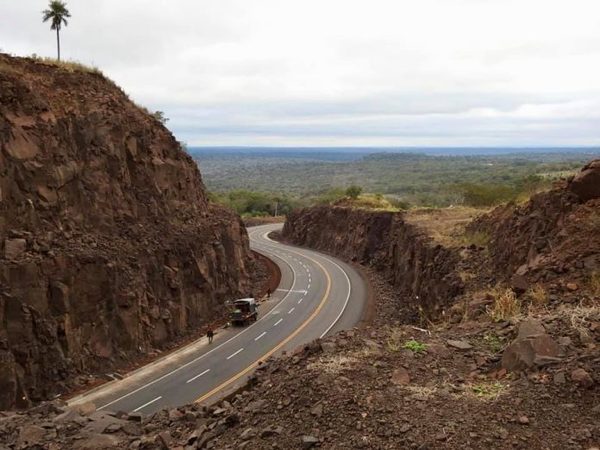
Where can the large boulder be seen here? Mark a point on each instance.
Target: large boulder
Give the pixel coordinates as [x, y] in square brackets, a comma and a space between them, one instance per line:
[586, 183]
[533, 347]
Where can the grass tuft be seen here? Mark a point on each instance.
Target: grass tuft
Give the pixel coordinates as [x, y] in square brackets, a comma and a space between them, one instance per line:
[493, 342]
[506, 305]
[478, 238]
[538, 296]
[488, 390]
[415, 346]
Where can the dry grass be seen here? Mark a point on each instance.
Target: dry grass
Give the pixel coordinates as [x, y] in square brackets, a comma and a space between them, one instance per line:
[478, 238]
[334, 364]
[506, 305]
[69, 66]
[446, 226]
[538, 296]
[376, 202]
[395, 341]
[581, 318]
[488, 390]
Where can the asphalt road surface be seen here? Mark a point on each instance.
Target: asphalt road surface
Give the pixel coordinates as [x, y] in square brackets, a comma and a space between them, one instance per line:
[318, 295]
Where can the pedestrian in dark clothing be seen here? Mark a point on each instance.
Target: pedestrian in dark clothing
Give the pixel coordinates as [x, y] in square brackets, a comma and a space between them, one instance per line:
[210, 334]
[268, 293]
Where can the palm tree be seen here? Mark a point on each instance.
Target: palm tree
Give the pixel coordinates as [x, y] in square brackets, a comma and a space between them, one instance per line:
[57, 12]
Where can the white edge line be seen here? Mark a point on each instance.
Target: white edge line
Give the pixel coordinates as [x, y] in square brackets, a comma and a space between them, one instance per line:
[147, 404]
[345, 302]
[207, 353]
[235, 353]
[198, 376]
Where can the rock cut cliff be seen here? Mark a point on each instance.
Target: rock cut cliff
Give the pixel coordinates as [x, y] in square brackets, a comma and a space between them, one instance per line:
[108, 244]
[422, 271]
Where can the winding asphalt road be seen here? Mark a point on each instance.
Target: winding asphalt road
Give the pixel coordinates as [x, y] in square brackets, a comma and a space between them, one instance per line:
[318, 295]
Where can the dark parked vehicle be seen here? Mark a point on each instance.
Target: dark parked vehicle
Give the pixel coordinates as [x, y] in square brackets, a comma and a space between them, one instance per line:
[244, 312]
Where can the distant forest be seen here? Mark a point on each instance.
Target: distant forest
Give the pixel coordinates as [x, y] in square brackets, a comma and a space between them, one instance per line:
[269, 181]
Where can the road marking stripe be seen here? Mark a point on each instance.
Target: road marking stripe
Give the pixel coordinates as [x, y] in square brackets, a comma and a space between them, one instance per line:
[278, 322]
[266, 237]
[233, 354]
[198, 376]
[300, 301]
[291, 310]
[135, 391]
[260, 335]
[278, 346]
[146, 404]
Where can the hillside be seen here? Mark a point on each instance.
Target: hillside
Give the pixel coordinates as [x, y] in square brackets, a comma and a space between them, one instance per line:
[109, 247]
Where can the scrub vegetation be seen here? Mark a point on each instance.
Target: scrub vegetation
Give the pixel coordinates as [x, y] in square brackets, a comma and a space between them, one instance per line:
[253, 182]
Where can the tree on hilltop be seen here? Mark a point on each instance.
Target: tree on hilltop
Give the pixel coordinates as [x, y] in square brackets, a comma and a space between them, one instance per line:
[57, 13]
[353, 191]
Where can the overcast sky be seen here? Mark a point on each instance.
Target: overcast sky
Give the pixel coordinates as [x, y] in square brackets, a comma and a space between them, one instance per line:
[341, 72]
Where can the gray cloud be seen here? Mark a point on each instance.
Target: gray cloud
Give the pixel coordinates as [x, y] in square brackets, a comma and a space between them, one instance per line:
[347, 72]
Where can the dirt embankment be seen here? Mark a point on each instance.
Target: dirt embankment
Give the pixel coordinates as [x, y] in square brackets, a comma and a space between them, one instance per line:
[108, 245]
[422, 271]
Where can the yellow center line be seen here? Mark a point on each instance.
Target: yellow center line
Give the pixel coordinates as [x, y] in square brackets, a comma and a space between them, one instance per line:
[278, 346]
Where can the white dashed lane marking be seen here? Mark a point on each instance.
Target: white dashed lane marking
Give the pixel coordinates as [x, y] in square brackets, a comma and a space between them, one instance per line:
[260, 335]
[198, 376]
[147, 404]
[233, 354]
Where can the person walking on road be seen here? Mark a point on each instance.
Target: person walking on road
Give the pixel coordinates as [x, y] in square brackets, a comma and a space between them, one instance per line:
[210, 334]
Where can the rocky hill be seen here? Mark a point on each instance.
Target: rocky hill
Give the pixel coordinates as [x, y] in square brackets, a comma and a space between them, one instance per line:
[109, 247]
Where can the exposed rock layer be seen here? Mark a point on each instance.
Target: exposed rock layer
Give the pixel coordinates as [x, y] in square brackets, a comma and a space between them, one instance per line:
[422, 271]
[108, 244]
[554, 233]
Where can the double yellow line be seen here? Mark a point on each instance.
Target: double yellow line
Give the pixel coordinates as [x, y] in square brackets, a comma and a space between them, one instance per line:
[278, 346]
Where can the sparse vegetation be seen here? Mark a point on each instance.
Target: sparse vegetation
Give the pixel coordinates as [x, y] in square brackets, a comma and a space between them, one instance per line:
[368, 201]
[160, 116]
[488, 390]
[405, 179]
[415, 346]
[70, 66]
[493, 342]
[255, 204]
[506, 305]
[353, 191]
[478, 238]
[538, 296]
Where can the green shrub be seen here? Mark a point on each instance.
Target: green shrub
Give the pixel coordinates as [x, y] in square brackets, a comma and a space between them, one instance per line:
[353, 191]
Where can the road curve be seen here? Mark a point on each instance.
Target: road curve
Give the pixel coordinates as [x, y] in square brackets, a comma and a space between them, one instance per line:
[318, 295]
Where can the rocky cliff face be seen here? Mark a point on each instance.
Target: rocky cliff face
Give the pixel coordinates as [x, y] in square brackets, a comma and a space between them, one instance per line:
[422, 271]
[108, 245]
[555, 234]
